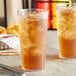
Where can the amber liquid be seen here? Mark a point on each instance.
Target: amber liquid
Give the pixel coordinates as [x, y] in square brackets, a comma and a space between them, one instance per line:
[33, 62]
[66, 21]
[33, 42]
[67, 48]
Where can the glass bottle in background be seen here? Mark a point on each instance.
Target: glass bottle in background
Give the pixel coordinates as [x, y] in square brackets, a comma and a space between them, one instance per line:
[25, 4]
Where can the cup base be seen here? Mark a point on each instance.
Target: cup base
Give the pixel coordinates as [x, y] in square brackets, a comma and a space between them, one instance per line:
[32, 70]
[67, 57]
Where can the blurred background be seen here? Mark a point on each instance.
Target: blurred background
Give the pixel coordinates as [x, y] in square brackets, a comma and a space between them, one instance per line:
[2, 21]
[9, 8]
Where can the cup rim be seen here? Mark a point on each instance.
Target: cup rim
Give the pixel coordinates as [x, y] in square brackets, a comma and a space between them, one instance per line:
[33, 9]
[63, 6]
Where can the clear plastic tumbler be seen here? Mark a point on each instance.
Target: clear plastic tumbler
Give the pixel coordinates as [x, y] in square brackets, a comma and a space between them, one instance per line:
[33, 33]
[66, 27]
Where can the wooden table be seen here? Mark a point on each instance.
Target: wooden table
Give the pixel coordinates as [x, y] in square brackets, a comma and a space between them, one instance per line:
[54, 65]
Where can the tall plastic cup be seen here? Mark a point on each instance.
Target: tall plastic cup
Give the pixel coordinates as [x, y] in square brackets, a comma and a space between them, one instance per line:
[33, 32]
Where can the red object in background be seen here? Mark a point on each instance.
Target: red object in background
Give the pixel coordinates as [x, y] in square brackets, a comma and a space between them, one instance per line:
[45, 5]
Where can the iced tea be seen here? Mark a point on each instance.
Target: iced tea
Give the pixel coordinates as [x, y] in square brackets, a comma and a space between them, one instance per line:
[66, 26]
[33, 31]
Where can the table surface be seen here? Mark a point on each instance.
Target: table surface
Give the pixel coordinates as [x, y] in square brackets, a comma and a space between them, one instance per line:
[54, 65]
